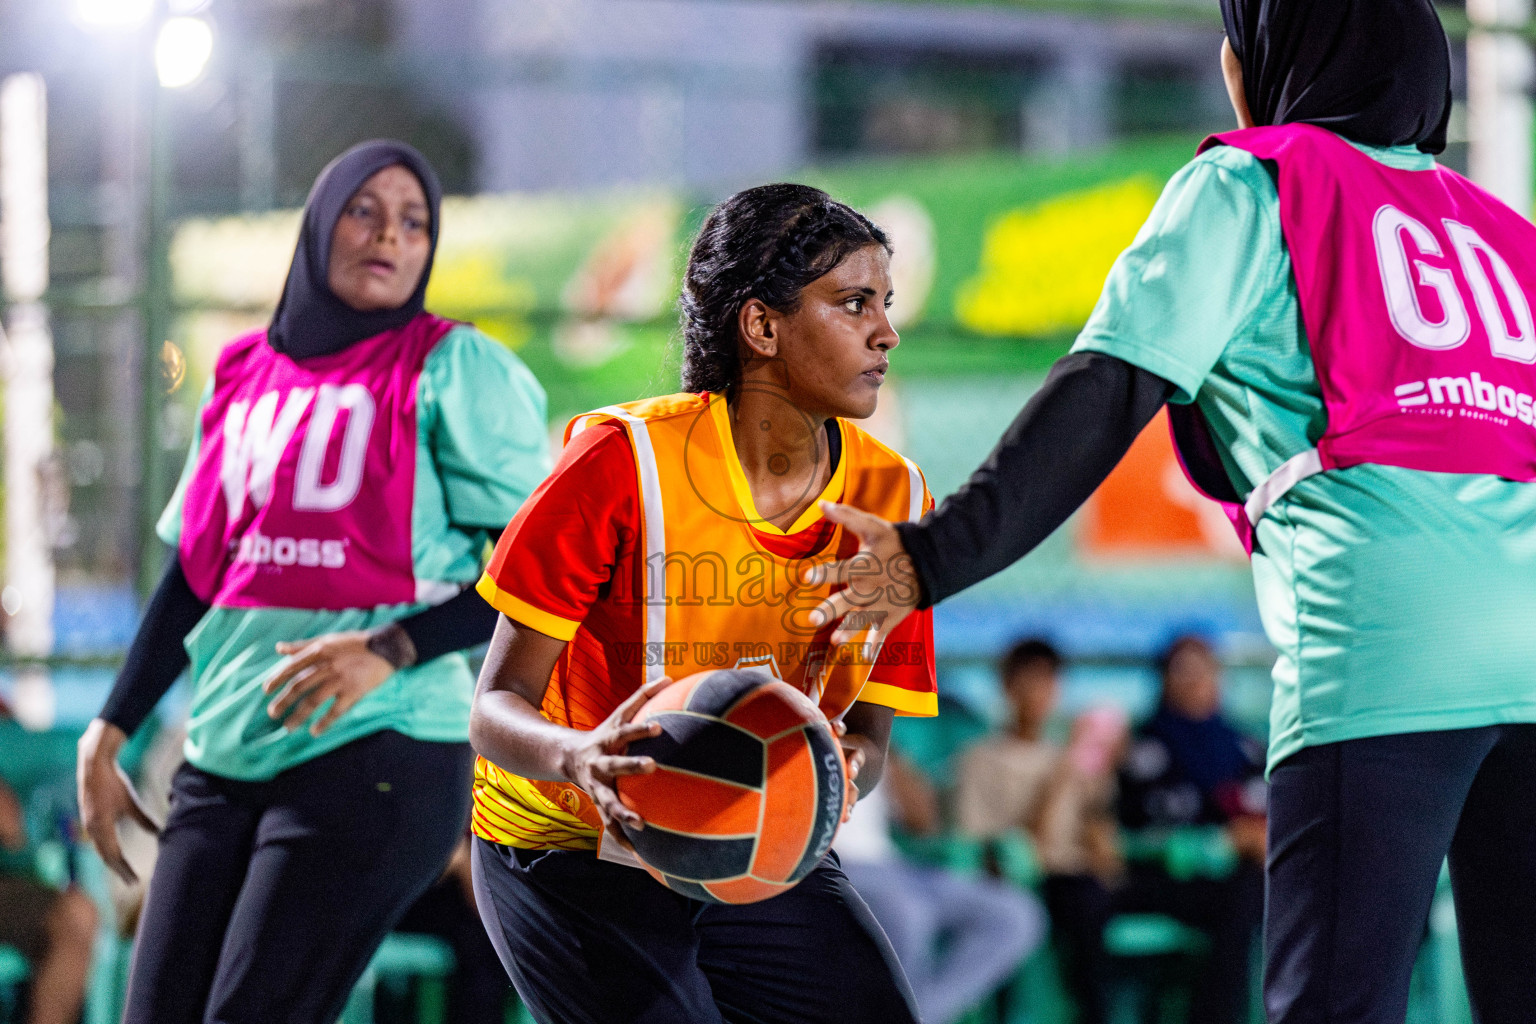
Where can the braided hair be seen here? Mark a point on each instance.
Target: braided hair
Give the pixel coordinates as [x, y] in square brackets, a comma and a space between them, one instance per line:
[764, 243]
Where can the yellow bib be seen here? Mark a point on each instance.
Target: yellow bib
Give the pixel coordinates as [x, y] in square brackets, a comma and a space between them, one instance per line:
[714, 596]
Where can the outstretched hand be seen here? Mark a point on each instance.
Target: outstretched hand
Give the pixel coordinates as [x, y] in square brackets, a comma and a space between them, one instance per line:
[595, 760]
[879, 582]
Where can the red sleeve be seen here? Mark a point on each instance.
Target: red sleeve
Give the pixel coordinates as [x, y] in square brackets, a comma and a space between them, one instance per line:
[904, 677]
[569, 536]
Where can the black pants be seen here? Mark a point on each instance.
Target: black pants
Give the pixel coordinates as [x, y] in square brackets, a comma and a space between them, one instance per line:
[1228, 910]
[269, 897]
[1357, 834]
[588, 942]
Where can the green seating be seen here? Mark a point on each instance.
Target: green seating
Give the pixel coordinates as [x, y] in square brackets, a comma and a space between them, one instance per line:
[401, 958]
[39, 766]
[1161, 957]
[1160, 954]
[1156, 939]
[931, 744]
[14, 969]
[107, 987]
[14, 972]
[1440, 992]
[32, 759]
[1038, 994]
[1195, 851]
[1142, 935]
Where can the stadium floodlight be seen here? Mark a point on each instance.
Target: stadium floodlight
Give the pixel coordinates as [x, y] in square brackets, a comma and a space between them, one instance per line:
[113, 14]
[182, 51]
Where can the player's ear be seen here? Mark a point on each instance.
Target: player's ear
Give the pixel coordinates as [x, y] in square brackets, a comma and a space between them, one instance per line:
[756, 324]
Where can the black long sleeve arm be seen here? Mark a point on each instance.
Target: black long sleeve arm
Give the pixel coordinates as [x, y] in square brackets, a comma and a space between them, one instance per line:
[157, 654]
[464, 620]
[1062, 445]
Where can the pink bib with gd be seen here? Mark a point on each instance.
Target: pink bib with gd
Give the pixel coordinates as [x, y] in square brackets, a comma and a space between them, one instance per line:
[1415, 290]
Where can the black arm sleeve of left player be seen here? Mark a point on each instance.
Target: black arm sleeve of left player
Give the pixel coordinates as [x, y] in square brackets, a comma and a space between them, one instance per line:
[157, 654]
[464, 620]
[1063, 444]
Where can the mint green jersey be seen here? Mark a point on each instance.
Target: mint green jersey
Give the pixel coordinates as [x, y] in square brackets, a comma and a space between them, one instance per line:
[482, 446]
[1398, 601]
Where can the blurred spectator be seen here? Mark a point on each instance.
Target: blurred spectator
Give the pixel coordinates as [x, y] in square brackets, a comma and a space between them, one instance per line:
[1186, 767]
[958, 938]
[1189, 767]
[53, 928]
[478, 988]
[1018, 779]
[1065, 801]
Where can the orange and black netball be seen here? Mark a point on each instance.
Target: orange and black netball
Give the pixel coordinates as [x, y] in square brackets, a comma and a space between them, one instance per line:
[748, 791]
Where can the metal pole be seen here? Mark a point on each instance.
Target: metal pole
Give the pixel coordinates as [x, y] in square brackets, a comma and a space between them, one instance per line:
[126, 163]
[32, 498]
[154, 488]
[258, 135]
[1499, 119]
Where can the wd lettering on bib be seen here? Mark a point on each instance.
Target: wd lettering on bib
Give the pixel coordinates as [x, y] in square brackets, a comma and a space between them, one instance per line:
[1415, 290]
[302, 488]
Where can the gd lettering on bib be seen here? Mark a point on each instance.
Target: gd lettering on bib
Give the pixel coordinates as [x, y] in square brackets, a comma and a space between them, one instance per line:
[1415, 288]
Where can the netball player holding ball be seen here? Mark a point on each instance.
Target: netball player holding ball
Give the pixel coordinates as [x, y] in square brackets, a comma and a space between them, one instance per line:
[1346, 331]
[349, 464]
[686, 524]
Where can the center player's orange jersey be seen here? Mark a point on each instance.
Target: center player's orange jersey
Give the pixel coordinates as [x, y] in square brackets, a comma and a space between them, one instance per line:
[644, 550]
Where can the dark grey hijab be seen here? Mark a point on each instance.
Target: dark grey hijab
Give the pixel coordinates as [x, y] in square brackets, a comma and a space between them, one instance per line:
[1374, 71]
[310, 320]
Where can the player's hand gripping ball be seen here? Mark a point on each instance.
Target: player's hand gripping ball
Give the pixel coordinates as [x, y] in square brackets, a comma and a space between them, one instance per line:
[748, 791]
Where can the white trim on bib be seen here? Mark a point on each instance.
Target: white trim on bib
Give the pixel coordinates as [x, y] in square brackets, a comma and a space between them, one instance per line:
[1291, 472]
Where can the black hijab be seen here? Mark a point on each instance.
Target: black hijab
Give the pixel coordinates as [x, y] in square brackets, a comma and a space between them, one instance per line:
[1377, 72]
[310, 320]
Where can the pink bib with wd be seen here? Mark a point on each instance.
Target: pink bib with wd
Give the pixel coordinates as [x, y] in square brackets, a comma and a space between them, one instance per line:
[302, 491]
[1415, 289]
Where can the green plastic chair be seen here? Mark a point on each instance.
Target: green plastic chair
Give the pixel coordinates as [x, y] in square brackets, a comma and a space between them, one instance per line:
[1164, 952]
[1039, 994]
[1440, 989]
[402, 957]
[931, 744]
[40, 768]
[1145, 935]
[1187, 852]
[107, 986]
[14, 969]
[14, 972]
